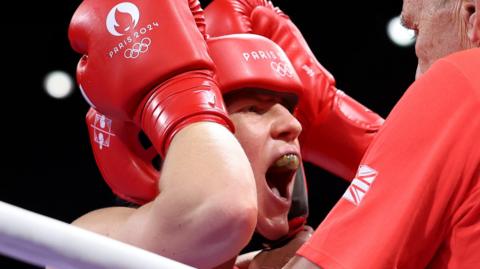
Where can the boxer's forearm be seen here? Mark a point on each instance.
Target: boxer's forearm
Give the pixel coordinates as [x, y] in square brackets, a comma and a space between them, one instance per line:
[199, 207]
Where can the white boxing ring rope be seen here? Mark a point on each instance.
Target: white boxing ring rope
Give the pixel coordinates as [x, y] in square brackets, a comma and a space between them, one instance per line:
[40, 240]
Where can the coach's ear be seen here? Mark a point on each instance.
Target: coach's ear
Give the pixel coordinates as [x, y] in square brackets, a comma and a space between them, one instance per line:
[477, 22]
[471, 8]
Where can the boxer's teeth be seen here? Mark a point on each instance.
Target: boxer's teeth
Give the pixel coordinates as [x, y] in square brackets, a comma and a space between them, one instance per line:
[288, 161]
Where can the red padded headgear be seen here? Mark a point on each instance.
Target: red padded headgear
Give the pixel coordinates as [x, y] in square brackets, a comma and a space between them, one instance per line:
[252, 61]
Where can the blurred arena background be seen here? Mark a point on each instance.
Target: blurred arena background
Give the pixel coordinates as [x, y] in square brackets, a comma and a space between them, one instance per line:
[47, 160]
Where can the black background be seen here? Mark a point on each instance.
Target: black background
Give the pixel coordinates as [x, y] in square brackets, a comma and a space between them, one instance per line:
[47, 162]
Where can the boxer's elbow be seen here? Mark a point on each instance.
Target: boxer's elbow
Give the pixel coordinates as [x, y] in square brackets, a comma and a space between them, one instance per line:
[240, 209]
[230, 227]
[232, 205]
[240, 218]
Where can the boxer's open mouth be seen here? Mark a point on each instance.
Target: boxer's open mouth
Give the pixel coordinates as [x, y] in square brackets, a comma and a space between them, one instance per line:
[281, 173]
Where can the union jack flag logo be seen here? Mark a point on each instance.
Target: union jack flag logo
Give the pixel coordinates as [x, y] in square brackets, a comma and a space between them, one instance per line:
[360, 184]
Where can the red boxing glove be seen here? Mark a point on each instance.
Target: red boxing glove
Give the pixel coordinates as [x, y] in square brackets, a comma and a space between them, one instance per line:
[147, 62]
[125, 157]
[336, 128]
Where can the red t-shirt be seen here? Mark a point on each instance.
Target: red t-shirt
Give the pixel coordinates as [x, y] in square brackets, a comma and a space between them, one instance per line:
[415, 201]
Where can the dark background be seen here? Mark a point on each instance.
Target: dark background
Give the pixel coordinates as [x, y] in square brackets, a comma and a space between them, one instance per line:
[47, 162]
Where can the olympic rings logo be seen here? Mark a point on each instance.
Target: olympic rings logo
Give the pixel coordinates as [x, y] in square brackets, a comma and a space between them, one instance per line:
[138, 48]
[283, 69]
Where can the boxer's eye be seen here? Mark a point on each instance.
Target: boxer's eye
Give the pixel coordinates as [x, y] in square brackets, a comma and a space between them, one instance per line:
[253, 109]
[257, 109]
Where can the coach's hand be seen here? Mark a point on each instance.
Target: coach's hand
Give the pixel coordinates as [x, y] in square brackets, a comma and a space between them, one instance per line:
[278, 257]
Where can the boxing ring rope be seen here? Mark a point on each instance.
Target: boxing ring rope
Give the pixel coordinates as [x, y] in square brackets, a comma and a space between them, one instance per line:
[40, 240]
